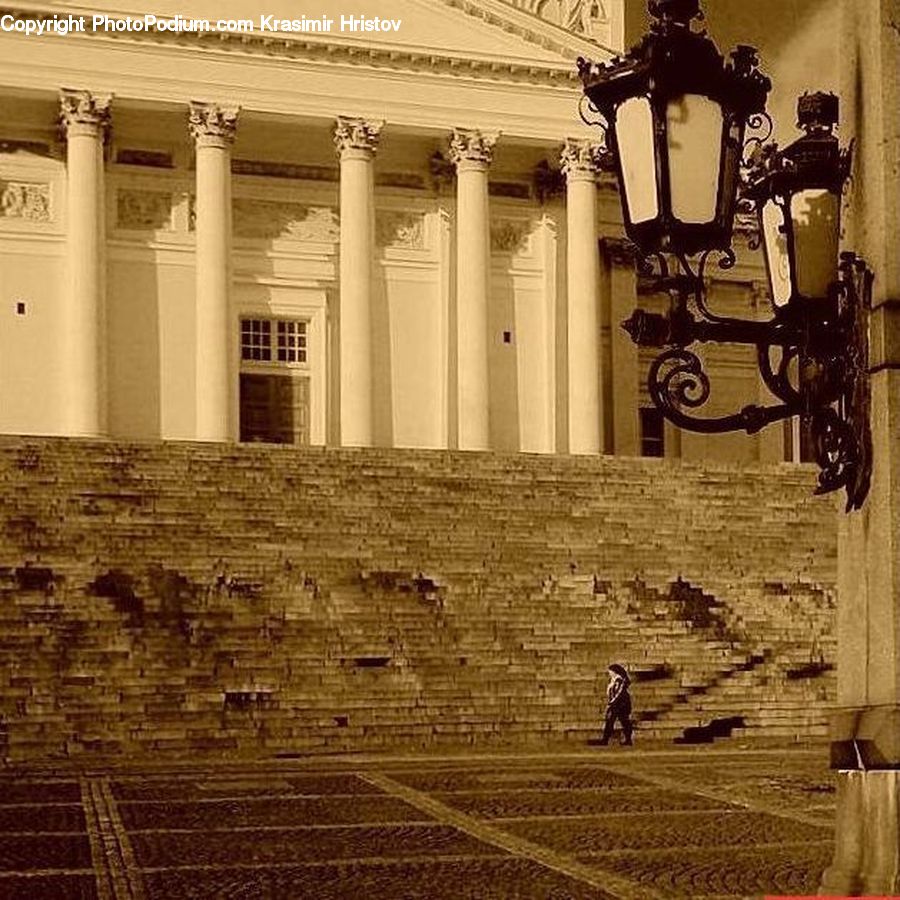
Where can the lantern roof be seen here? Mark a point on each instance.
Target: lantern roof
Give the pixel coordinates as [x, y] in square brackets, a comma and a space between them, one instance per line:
[813, 161]
[675, 59]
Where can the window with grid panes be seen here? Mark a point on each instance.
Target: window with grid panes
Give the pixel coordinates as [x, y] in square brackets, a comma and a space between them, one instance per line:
[288, 347]
[274, 387]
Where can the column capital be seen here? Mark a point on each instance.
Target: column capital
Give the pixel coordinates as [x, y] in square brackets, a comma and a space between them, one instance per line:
[84, 113]
[212, 125]
[581, 160]
[356, 136]
[470, 146]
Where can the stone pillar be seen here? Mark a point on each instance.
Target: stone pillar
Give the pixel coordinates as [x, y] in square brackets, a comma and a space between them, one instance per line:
[471, 152]
[866, 730]
[213, 129]
[626, 440]
[85, 120]
[580, 164]
[356, 141]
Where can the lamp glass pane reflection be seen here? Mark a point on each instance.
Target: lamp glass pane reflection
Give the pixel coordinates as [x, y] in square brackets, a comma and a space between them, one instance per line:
[816, 223]
[777, 258]
[694, 128]
[634, 138]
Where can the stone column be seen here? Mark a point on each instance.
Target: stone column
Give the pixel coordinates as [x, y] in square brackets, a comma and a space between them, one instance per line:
[356, 141]
[581, 164]
[624, 374]
[213, 129]
[85, 120]
[866, 730]
[471, 153]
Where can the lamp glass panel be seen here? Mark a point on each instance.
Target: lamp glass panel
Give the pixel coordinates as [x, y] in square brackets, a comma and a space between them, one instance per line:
[634, 138]
[777, 257]
[731, 164]
[695, 157]
[816, 216]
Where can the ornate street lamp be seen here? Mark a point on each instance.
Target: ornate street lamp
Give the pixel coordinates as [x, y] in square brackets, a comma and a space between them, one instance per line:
[688, 130]
[798, 197]
[675, 112]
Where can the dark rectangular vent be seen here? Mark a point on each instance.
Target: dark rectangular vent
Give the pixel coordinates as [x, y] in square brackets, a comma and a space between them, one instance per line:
[243, 701]
[372, 662]
[262, 169]
[400, 180]
[512, 189]
[36, 147]
[154, 159]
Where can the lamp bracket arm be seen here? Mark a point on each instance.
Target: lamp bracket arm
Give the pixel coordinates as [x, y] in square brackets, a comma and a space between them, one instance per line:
[678, 383]
[679, 327]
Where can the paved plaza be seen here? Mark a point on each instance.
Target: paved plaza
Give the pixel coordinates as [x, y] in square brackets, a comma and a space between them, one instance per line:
[696, 823]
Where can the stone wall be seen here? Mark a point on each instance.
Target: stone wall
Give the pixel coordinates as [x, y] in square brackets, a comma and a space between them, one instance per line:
[189, 598]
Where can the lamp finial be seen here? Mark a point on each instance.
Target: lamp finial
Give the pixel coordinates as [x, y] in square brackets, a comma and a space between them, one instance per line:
[678, 12]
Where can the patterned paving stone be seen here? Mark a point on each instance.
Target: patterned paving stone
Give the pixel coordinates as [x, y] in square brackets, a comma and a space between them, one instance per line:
[245, 813]
[782, 870]
[809, 774]
[292, 832]
[781, 787]
[514, 778]
[574, 802]
[41, 818]
[49, 887]
[237, 786]
[39, 792]
[19, 853]
[666, 830]
[503, 879]
[223, 848]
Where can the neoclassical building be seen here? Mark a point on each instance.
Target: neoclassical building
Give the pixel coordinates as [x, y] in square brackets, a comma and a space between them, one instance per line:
[400, 238]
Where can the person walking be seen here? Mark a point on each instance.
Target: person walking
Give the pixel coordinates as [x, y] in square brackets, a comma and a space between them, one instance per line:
[618, 705]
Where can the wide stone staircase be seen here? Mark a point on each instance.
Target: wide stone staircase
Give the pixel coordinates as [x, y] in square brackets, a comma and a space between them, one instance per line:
[199, 599]
[394, 658]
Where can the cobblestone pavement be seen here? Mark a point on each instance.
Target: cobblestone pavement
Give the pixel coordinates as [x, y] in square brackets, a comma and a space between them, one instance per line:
[605, 824]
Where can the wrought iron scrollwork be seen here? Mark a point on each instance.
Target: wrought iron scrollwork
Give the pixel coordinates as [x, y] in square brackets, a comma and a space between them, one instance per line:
[841, 432]
[677, 382]
[727, 260]
[759, 130]
[779, 381]
[820, 372]
[590, 115]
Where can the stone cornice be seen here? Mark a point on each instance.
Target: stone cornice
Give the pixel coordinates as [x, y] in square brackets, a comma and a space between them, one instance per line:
[317, 49]
[619, 251]
[531, 28]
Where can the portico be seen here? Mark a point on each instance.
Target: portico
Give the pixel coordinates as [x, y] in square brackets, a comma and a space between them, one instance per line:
[275, 263]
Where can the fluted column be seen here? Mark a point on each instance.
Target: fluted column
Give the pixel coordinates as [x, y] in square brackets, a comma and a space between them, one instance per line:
[356, 141]
[213, 129]
[580, 164]
[85, 119]
[471, 152]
